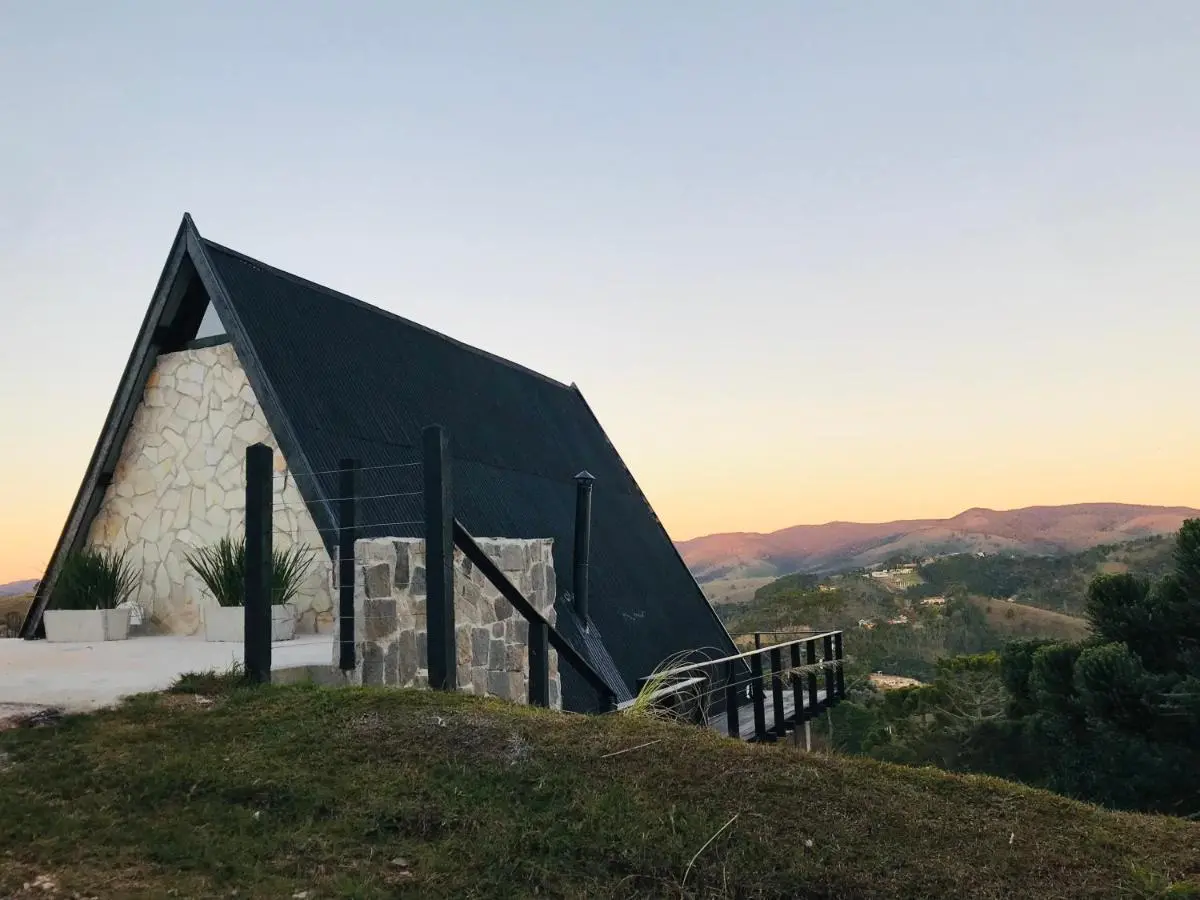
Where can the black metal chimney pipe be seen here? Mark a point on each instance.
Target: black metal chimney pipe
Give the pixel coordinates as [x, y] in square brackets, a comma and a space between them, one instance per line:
[583, 541]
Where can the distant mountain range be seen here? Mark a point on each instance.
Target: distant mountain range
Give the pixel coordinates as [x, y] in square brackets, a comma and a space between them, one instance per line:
[844, 545]
[17, 587]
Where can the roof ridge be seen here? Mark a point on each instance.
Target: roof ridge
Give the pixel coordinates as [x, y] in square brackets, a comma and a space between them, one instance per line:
[338, 295]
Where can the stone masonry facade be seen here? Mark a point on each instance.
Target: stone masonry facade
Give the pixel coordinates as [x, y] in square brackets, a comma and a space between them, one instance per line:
[491, 637]
[180, 485]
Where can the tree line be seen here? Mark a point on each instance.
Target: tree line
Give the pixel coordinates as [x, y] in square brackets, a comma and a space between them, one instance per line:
[1113, 719]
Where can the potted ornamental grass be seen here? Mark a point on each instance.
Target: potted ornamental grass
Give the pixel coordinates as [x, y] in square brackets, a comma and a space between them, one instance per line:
[222, 568]
[88, 593]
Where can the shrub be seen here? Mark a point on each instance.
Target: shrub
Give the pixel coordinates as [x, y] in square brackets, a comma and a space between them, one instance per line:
[222, 568]
[94, 578]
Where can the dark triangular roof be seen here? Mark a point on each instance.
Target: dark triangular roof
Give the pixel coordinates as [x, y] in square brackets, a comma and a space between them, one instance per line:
[338, 378]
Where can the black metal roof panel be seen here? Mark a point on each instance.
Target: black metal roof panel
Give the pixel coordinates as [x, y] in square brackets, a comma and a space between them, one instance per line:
[355, 381]
[590, 643]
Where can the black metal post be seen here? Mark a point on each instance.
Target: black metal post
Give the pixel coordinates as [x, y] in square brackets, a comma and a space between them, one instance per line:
[439, 562]
[347, 535]
[756, 686]
[733, 718]
[838, 654]
[539, 664]
[257, 587]
[827, 657]
[583, 542]
[777, 691]
[757, 641]
[810, 657]
[801, 714]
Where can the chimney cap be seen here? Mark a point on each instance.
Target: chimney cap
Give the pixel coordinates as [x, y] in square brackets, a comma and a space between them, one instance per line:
[585, 477]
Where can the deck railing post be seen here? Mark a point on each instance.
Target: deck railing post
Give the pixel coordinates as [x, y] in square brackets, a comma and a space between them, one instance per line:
[756, 687]
[801, 714]
[257, 586]
[838, 654]
[733, 718]
[539, 664]
[347, 535]
[810, 658]
[439, 562]
[777, 692]
[827, 660]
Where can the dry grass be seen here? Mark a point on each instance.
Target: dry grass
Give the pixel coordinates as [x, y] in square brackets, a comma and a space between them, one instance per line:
[1022, 621]
[13, 609]
[309, 792]
[736, 589]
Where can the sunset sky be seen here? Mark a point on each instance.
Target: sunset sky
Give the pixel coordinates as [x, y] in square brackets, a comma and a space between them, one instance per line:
[807, 260]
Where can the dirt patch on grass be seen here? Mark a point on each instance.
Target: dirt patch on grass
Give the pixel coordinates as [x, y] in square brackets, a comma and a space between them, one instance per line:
[27, 715]
[892, 682]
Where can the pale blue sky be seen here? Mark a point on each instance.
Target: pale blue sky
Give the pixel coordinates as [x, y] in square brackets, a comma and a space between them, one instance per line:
[808, 260]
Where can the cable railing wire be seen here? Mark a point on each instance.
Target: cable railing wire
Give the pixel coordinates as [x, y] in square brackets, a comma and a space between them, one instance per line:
[366, 526]
[356, 497]
[315, 472]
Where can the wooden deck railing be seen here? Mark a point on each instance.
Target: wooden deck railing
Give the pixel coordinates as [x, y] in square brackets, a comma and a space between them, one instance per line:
[738, 685]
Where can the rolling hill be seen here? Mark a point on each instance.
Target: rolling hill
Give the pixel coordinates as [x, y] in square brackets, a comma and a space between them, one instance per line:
[17, 587]
[429, 794]
[843, 545]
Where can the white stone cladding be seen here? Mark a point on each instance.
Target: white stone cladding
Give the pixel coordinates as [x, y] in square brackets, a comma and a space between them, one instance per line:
[180, 484]
[491, 637]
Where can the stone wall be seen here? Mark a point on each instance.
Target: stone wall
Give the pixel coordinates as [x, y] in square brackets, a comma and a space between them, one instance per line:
[491, 637]
[180, 484]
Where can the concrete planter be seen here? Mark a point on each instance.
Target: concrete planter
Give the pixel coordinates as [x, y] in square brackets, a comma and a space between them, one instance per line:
[228, 623]
[87, 625]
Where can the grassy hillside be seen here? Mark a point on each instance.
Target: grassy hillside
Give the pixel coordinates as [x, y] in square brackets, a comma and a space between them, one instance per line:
[310, 793]
[735, 589]
[1057, 583]
[907, 637]
[810, 600]
[13, 610]
[1016, 620]
[1049, 594]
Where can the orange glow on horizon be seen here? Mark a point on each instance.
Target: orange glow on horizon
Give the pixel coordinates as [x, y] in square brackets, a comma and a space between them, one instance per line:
[775, 494]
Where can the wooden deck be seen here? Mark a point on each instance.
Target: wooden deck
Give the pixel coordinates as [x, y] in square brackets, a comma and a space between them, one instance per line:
[746, 716]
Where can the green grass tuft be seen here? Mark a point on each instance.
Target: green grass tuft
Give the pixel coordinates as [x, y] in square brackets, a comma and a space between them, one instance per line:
[212, 682]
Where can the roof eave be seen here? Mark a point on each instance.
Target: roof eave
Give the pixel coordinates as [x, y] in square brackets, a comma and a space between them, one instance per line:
[116, 425]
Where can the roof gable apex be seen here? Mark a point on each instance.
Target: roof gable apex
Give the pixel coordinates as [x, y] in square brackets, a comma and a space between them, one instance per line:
[174, 313]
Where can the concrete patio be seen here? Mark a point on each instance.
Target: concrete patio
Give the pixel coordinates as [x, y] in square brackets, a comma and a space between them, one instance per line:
[80, 677]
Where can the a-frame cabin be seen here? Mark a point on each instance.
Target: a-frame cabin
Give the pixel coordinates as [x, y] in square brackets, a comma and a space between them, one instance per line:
[233, 351]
